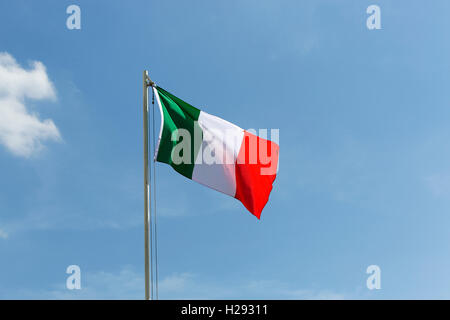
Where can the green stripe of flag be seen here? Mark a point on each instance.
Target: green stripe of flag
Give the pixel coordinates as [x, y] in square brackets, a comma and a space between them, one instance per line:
[178, 114]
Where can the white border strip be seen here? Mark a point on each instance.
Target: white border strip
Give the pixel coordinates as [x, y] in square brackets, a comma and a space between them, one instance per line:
[162, 122]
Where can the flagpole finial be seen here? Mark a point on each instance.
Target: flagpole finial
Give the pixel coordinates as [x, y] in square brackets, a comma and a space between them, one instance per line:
[148, 81]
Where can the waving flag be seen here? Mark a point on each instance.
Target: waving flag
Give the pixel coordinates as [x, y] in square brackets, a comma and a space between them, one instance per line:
[215, 152]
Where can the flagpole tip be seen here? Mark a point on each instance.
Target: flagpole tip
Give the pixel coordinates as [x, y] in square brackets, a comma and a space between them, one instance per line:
[147, 80]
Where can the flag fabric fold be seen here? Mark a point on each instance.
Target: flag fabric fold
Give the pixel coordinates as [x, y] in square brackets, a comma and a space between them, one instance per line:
[215, 152]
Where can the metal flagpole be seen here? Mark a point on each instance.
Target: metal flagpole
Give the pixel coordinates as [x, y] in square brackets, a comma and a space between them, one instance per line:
[146, 189]
[153, 226]
[149, 290]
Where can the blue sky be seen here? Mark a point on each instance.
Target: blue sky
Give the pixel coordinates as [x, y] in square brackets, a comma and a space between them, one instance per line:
[364, 164]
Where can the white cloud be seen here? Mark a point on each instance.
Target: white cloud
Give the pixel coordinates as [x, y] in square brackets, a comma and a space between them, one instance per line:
[127, 283]
[21, 131]
[176, 282]
[124, 284]
[3, 234]
[263, 289]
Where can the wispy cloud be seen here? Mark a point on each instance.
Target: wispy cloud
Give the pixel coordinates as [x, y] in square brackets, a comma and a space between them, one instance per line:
[127, 283]
[21, 131]
[263, 289]
[3, 234]
[124, 284]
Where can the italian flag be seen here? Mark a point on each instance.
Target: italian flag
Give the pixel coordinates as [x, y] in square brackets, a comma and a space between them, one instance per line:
[215, 152]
